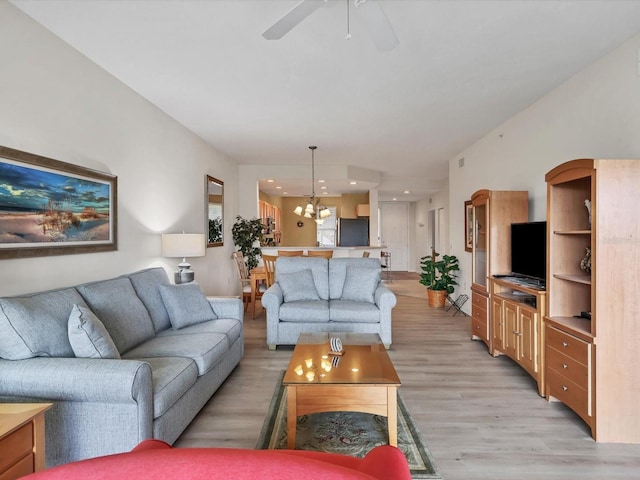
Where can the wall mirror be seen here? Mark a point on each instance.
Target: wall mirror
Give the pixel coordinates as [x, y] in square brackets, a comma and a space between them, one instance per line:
[215, 211]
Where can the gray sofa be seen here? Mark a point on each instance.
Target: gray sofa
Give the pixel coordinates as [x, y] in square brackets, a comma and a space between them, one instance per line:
[312, 294]
[152, 354]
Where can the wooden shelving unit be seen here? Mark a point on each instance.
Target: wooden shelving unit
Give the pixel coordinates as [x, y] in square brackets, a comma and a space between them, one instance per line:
[493, 213]
[590, 364]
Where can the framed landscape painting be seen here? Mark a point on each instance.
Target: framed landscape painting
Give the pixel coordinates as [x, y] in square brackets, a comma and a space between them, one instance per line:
[49, 207]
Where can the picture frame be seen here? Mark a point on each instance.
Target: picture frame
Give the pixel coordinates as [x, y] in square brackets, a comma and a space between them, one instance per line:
[214, 211]
[50, 207]
[468, 226]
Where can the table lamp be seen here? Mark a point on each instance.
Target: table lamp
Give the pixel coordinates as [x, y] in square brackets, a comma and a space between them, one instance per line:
[183, 245]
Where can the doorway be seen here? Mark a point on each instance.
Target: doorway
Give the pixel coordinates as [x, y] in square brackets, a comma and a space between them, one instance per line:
[393, 221]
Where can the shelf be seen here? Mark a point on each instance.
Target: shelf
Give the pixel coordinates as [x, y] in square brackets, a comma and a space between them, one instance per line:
[578, 326]
[572, 232]
[575, 278]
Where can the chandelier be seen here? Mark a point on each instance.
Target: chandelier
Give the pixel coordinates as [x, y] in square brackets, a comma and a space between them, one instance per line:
[316, 211]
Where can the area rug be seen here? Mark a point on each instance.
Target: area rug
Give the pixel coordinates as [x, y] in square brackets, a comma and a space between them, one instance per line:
[348, 433]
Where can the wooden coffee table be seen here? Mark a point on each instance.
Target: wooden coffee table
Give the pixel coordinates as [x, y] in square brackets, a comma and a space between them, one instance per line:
[363, 379]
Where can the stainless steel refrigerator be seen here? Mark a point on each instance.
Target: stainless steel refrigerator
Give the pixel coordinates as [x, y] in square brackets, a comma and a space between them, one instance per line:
[353, 232]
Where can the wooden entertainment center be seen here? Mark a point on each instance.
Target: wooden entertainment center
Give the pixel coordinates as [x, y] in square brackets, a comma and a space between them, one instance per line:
[580, 338]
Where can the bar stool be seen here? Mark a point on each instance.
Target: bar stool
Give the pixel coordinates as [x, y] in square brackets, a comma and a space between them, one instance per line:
[385, 263]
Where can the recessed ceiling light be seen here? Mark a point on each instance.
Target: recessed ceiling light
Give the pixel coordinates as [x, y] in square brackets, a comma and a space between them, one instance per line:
[278, 188]
[270, 180]
[407, 191]
[285, 193]
[394, 199]
[325, 193]
[324, 187]
[353, 182]
[320, 181]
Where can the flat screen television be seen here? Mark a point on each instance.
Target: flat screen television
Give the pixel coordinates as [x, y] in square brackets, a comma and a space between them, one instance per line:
[529, 250]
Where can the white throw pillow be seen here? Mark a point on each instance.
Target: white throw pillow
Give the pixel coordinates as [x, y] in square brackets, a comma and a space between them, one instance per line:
[298, 286]
[360, 284]
[88, 336]
[186, 305]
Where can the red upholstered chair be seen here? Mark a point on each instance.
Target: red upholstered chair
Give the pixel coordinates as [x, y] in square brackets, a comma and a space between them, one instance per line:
[154, 459]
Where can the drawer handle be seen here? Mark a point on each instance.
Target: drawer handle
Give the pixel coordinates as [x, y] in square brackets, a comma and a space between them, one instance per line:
[564, 365]
[565, 388]
[517, 334]
[565, 344]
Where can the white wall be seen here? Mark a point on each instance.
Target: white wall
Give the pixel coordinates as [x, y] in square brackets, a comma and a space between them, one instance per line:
[56, 103]
[595, 114]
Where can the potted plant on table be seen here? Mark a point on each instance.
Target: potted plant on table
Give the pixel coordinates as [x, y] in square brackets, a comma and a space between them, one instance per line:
[246, 233]
[438, 275]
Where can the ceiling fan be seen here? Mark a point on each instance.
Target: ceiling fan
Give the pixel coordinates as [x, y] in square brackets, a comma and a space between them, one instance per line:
[368, 11]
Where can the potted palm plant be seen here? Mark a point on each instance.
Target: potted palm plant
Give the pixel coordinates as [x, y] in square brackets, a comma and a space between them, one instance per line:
[438, 275]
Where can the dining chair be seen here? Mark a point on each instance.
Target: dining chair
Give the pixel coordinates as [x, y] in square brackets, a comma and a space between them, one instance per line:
[320, 253]
[290, 253]
[365, 254]
[270, 267]
[245, 279]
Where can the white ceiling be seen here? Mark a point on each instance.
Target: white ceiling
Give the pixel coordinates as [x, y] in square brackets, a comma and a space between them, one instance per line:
[461, 69]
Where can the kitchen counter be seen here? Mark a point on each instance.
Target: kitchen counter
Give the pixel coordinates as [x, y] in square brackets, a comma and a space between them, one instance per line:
[338, 252]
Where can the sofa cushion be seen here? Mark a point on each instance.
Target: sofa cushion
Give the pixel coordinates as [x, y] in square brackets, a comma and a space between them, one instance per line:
[338, 272]
[350, 311]
[23, 320]
[121, 311]
[319, 268]
[186, 305]
[172, 377]
[231, 327]
[360, 284]
[305, 312]
[88, 337]
[146, 283]
[298, 286]
[205, 349]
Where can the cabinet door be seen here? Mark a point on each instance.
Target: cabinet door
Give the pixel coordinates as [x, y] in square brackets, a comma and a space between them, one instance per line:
[480, 244]
[511, 335]
[528, 345]
[497, 325]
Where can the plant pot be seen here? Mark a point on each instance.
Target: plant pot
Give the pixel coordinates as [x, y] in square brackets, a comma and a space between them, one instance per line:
[436, 298]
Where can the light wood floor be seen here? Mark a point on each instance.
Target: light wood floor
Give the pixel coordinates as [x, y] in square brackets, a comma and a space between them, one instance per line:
[480, 416]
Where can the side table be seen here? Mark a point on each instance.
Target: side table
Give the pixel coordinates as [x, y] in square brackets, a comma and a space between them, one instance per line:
[22, 441]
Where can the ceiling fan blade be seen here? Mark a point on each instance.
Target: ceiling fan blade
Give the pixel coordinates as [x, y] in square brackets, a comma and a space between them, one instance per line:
[292, 18]
[377, 24]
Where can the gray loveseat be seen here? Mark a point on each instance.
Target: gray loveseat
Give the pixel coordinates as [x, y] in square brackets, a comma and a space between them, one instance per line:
[312, 294]
[157, 353]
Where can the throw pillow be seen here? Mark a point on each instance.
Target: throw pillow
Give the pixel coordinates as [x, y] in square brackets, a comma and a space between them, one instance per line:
[298, 286]
[186, 305]
[360, 284]
[87, 335]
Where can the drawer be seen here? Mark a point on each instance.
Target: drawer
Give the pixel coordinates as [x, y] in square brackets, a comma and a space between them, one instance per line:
[478, 314]
[20, 469]
[568, 367]
[479, 329]
[479, 300]
[16, 445]
[569, 393]
[568, 345]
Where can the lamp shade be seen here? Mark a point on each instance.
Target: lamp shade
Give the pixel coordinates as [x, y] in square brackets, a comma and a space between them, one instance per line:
[183, 245]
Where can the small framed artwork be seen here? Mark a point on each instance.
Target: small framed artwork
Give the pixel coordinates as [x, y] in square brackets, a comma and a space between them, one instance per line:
[468, 226]
[50, 207]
